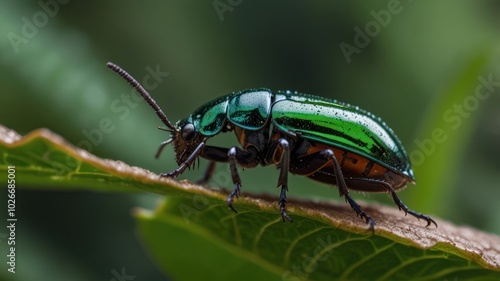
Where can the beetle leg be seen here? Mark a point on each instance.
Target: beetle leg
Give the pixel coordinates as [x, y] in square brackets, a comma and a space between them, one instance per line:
[395, 198]
[191, 158]
[418, 215]
[214, 154]
[280, 154]
[344, 191]
[403, 207]
[242, 157]
[312, 163]
[208, 174]
[162, 145]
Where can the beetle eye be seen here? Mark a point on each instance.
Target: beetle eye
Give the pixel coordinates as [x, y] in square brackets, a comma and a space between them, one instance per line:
[188, 132]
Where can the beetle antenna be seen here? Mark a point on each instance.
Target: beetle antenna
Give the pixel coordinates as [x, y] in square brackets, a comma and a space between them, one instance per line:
[143, 93]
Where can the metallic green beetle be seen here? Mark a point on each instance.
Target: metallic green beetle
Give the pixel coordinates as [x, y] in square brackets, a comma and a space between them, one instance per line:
[325, 140]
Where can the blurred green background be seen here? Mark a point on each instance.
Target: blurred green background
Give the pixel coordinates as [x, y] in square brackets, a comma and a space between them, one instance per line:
[414, 65]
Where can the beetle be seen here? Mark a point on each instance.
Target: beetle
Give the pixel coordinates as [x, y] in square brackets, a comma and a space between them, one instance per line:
[325, 140]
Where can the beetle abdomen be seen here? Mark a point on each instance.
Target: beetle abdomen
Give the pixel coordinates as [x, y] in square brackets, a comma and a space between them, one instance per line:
[356, 170]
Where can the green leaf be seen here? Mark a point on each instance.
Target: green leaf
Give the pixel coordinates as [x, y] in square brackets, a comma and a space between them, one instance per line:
[193, 235]
[325, 241]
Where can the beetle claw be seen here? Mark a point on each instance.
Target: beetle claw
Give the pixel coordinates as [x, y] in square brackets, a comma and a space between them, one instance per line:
[229, 201]
[230, 205]
[429, 221]
[172, 174]
[166, 175]
[230, 197]
[419, 216]
[283, 213]
[372, 224]
[285, 216]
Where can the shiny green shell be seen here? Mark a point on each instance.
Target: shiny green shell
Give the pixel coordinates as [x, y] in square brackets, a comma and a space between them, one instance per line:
[309, 117]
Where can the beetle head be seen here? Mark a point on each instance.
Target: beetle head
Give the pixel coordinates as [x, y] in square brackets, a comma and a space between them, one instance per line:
[185, 139]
